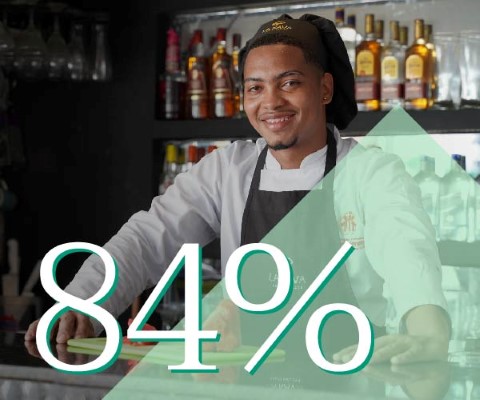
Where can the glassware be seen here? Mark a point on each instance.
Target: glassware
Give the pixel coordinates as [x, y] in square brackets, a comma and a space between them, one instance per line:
[448, 70]
[455, 203]
[470, 69]
[7, 46]
[77, 62]
[30, 53]
[429, 184]
[102, 65]
[57, 54]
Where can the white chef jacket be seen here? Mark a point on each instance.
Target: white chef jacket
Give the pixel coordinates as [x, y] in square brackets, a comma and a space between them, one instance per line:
[208, 201]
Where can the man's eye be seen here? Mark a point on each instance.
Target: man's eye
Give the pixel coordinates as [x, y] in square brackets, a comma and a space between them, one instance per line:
[289, 84]
[253, 89]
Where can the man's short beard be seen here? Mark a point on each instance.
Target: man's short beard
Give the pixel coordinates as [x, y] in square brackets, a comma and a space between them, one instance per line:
[281, 146]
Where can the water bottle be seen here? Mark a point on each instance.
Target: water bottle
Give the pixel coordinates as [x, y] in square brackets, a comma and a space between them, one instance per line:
[455, 203]
[429, 184]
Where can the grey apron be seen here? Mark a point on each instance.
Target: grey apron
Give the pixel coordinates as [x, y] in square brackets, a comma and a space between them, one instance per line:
[263, 211]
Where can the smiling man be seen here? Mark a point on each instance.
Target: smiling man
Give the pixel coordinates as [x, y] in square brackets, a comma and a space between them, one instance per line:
[298, 91]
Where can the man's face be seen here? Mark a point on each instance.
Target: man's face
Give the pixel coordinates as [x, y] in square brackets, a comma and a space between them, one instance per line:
[284, 98]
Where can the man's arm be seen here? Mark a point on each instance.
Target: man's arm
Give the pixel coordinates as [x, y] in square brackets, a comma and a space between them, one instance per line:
[400, 244]
[189, 212]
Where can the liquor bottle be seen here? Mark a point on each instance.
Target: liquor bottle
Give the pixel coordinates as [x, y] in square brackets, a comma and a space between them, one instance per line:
[221, 85]
[433, 64]
[237, 79]
[367, 70]
[211, 148]
[393, 74]
[429, 184]
[201, 151]
[172, 55]
[192, 157]
[476, 208]
[404, 38]
[347, 33]
[171, 89]
[352, 23]
[417, 71]
[197, 79]
[379, 32]
[455, 203]
[169, 168]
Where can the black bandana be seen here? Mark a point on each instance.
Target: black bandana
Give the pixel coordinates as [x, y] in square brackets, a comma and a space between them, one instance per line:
[319, 36]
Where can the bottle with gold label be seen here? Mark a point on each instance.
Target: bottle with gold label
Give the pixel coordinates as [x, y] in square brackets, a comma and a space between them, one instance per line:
[433, 64]
[197, 79]
[221, 83]
[417, 71]
[392, 65]
[367, 69]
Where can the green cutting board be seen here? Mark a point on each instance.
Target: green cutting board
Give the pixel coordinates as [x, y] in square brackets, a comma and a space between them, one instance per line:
[168, 352]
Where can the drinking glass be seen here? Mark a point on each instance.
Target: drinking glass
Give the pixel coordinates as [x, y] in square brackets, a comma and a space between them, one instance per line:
[102, 67]
[470, 69]
[7, 46]
[57, 54]
[448, 70]
[30, 54]
[77, 60]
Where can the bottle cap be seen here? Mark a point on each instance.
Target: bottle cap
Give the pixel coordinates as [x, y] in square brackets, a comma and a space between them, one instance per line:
[221, 34]
[172, 37]
[237, 40]
[352, 20]
[192, 153]
[172, 153]
[339, 15]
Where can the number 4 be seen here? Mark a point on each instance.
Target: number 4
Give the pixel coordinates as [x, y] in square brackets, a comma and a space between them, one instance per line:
[190, 257]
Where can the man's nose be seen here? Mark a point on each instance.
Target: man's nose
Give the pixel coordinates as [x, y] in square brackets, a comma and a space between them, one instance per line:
[272, 98]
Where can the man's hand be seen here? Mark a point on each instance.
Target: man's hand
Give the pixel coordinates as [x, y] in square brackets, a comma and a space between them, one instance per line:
[70, 325]
[400, 349]
[226, 320]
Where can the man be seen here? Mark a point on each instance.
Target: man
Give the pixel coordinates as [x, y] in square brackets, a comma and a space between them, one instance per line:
[298, 88]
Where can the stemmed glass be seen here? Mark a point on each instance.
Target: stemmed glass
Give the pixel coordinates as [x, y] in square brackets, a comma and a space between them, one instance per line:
[30, 52]
[57, 53]
[7, 45]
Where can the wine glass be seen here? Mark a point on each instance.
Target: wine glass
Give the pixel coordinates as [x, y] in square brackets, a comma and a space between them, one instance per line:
[57, 53]
[7, 45]
[30, 52]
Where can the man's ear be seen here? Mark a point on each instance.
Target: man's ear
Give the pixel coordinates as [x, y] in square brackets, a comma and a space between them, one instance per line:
[327, 87]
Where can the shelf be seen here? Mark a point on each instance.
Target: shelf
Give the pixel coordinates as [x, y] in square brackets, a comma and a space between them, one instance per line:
[460, 254]
[433, 121]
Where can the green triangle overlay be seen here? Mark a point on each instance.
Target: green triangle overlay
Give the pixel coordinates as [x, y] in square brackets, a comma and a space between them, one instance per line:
[397, 133]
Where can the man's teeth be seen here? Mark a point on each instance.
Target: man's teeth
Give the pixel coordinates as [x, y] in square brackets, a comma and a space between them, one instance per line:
[277, 120]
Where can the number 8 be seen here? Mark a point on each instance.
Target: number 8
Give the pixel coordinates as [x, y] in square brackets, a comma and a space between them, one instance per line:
[89, 306]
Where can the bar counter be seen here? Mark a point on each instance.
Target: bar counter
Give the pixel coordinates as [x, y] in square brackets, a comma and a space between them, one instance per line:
[23, 375]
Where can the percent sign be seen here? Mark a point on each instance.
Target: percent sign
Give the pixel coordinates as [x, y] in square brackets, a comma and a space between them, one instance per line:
[365, 336]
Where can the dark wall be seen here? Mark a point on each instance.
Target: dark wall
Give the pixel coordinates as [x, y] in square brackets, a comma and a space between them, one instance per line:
[88, 145]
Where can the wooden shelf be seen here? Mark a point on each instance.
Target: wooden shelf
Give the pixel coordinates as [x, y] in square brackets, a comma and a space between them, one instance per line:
[433, 121]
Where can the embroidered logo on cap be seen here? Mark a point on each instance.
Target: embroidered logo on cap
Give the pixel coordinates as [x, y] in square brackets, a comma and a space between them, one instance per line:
[277, 26]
